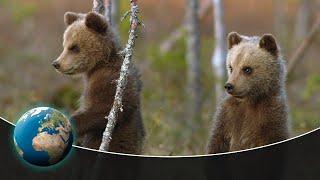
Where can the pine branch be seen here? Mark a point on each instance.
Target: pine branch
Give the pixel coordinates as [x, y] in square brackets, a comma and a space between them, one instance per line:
[122, 81]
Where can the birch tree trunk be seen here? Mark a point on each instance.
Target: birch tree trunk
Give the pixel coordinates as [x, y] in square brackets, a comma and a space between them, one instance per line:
[108, 9]
[103, 7]
[115, 17]
[280, 23]
[193, 58]
[302, 26]
[99, 6]
[218, 60]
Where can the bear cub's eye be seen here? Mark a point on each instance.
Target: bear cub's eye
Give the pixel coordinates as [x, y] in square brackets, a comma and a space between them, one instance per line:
[74, 48]
[247, 70]
[230, 69]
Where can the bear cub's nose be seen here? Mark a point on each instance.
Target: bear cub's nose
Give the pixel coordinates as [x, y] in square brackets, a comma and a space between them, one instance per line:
[56, 65]
[229, 87]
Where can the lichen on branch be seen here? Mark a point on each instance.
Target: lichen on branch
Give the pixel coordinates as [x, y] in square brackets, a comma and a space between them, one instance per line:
[122, 81]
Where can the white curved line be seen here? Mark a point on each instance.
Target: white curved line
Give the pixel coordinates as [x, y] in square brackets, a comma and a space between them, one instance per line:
[7, 121]
[188, 156]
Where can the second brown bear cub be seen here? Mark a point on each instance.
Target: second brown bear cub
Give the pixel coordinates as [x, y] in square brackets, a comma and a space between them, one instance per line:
[254, 112]
[91, 50]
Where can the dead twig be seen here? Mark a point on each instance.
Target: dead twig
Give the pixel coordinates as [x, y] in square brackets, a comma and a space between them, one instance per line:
[122, 81]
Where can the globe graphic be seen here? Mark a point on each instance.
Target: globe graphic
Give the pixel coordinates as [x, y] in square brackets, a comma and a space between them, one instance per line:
[43, 136]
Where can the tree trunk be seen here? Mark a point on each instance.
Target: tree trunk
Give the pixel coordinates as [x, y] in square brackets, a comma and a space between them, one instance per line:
[280, 23]
[108, 9]
[175, 35]
[303, 46]
[218, 60]
[115, 17]
[103, 7]
[98, 6]
[303, 20]
[193, 58]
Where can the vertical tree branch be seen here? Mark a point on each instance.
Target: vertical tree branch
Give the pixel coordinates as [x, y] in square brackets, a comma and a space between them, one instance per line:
[219, 56]
[193, 58]
[122, 81]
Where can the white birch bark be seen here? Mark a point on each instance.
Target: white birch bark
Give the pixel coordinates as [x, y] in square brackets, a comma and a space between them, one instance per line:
[115, 17]
[218, 60]
[193, 58]
[103, 7]
[98, 6]
[108, 9]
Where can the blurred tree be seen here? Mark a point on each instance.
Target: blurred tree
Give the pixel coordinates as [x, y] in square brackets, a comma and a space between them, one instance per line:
[108, 10]
[299, 53]
[280, 22]
[99, 6]
[193, 58]
[175, 35]
[115, 16]
[219, 56]
[302, 25]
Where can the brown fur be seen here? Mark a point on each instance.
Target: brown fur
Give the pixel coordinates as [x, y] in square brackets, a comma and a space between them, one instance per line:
[91, 50]
[255, 112]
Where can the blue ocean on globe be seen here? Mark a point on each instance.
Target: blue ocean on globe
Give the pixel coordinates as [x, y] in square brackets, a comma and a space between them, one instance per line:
[43, 136]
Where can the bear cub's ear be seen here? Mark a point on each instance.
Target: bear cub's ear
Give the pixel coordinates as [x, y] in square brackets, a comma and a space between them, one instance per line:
[233, 39]
[96, 22]
[268, 42]
[70, 17]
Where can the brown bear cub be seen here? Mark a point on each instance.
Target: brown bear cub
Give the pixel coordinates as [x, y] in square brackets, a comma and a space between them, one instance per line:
[254, 112]
[91, 50]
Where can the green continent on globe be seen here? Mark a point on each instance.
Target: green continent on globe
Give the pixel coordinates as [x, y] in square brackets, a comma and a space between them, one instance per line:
[51, 121]
[52, 143]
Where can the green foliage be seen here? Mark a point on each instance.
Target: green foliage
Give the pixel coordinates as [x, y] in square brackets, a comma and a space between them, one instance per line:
[313, 86]
[165, 104]
[304, 119]
[20, 10]
[306, 113]
[65, 97]
[4, 2]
